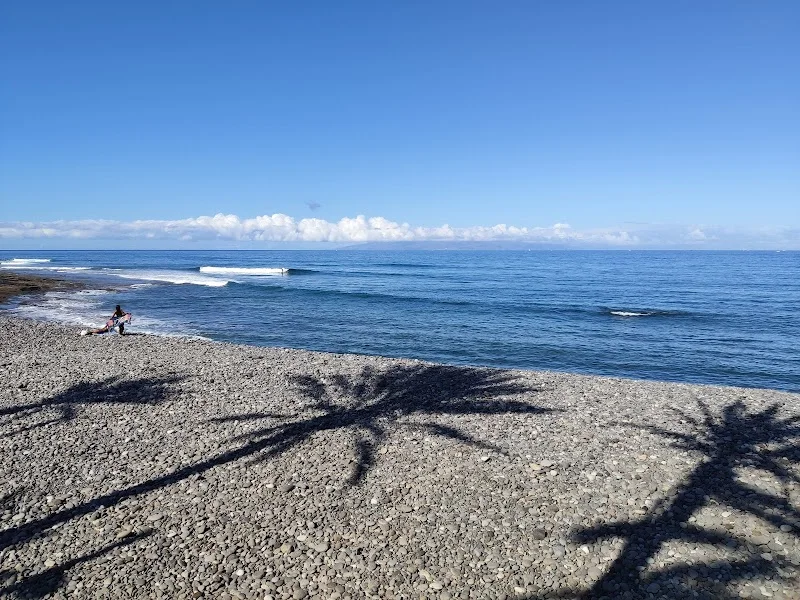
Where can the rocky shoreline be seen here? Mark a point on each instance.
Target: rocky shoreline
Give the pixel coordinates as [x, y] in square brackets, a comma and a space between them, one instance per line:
[147, 467]
[16, 284]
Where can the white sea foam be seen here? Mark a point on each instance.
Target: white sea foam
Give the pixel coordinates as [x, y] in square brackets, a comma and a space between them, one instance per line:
[84, 307]
[24, 261]
[244, 270]
[89, 309]
[37, 268]
[92, 292]
[626, 313]
[177, 277]
[150, 325]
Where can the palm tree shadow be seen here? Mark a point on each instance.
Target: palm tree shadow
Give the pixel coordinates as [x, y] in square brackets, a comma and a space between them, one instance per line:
[374, 403]
[734, 439]
[66, 404]
[47, 582]
[369, 405]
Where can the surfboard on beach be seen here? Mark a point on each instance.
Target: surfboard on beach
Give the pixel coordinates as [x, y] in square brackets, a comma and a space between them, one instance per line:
[116, 321]
[112, 324]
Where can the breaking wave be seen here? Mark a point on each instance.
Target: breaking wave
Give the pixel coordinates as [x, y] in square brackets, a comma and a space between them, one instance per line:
[644, 313]
[18, 262]
[176, 277]
[27, 267]
[245, 270]
[84, 307]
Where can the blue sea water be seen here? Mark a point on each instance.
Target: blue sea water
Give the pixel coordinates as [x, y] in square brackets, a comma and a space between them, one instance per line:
[729, 318]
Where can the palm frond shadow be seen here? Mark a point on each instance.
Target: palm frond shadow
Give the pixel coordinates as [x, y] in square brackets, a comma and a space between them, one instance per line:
[112, 390]
[369, 405]
[375, 402]
[733, 439]
[47, 582]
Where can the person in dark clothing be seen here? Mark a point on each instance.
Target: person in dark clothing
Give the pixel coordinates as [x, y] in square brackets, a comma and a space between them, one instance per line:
[118, 312]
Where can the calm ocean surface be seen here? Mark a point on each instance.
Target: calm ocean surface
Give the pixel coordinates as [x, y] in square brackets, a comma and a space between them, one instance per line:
[728, 318]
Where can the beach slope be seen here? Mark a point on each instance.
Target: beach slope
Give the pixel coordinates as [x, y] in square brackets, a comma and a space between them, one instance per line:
[148, 467]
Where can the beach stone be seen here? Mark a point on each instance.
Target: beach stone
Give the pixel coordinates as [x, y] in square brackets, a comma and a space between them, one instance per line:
[538, 534]
[241, 472]
[760, 540]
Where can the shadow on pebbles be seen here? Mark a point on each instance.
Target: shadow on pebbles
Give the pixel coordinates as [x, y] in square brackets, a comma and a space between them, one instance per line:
[148, 467]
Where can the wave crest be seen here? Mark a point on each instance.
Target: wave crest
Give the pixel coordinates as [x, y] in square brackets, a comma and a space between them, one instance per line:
[176, 277]
[244, 270]
[24, 261]
[37, 268]
[645, 313]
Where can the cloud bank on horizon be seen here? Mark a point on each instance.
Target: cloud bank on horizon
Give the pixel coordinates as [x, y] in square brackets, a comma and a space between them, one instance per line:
[281, 228]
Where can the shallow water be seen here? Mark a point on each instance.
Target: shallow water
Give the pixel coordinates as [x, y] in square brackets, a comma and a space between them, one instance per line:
[728, 318]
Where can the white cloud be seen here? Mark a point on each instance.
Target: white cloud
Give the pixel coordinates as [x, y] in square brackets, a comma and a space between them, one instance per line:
[283, 228]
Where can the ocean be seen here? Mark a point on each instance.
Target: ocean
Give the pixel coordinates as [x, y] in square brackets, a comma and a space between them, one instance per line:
[729, 318]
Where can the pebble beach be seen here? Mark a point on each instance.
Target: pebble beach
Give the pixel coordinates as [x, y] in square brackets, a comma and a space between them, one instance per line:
[163, 467]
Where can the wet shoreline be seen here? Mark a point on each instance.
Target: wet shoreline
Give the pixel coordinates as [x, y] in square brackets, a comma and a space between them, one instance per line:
[16, 284]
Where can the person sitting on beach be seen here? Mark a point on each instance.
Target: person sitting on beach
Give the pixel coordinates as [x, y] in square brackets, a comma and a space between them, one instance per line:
[118, 312]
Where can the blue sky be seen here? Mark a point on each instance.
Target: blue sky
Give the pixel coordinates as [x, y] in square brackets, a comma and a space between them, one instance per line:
[610, 117]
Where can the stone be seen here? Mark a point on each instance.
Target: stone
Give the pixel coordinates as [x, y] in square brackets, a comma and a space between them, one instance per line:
[234, 481]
